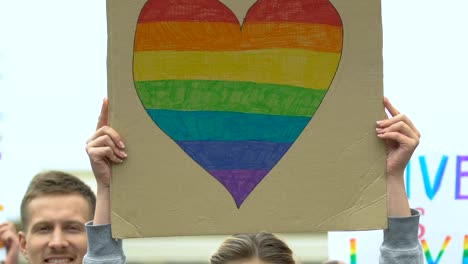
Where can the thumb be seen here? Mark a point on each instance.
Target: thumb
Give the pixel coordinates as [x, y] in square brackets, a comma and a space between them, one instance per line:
[104, 116]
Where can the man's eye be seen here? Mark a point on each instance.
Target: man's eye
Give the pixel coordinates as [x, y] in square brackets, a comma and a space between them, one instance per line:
[43, 229]
[74, 228]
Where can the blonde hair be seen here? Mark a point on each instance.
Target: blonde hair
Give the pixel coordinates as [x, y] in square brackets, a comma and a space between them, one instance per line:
[265, 246]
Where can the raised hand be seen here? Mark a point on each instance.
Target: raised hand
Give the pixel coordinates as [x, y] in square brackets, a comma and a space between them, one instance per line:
[402, 138]
[9, 238]
[104, 147]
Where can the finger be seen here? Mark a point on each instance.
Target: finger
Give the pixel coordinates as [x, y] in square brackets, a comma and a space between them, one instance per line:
[104, 115]
[400, 138]
[6, 227]
[103, 154]
[401, 127]
[106, 141]
[385, 112]
[386, 115]
[396, 119]
[394, 112]
[109, 131]
[391, 109]
[7, 238]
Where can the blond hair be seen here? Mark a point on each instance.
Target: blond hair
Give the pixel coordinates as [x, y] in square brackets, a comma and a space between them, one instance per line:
[264, 246]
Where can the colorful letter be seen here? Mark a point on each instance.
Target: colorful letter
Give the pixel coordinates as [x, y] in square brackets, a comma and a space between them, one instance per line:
[353, 258]
[460, 175]
[422, 228]
[408, 178]
[465, 250]
[427, 252]
[432, 190]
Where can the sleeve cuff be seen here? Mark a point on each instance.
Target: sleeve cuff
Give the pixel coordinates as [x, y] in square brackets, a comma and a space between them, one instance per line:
[101, 245]
[402, 232]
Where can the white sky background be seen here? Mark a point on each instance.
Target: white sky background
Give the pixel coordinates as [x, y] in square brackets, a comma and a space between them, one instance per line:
[425, 67]
[52, 82]
[53, 79]
[425, 76]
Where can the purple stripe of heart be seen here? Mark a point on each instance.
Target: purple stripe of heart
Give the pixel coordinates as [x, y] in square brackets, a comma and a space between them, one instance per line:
[239, 182]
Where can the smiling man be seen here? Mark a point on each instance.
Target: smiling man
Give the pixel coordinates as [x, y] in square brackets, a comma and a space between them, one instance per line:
[54, 210]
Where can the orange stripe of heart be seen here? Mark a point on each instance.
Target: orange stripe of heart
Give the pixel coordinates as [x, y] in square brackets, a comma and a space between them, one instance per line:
[216, 36]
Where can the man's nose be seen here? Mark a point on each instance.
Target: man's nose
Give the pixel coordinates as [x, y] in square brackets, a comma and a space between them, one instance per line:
[58, 239]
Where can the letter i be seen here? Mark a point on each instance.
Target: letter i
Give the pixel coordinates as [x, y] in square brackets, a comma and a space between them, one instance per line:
[465, 250]
[353, 257]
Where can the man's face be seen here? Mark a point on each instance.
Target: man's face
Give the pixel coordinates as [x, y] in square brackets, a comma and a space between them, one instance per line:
[56, 232]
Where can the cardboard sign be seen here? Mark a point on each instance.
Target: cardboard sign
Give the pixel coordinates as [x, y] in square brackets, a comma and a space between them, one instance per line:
[243, 116]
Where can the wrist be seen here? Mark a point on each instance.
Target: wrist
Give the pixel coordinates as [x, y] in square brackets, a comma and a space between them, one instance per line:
[395, 180]
[395, 176]
[397, 198]
[395, 184]
[104, 188]
[103, 205]
[103, 193]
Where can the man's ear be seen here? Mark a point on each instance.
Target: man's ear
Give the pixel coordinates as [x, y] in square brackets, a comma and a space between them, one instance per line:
[23, 244]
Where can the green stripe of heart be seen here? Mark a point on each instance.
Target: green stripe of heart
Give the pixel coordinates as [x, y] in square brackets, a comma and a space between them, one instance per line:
[229, 96]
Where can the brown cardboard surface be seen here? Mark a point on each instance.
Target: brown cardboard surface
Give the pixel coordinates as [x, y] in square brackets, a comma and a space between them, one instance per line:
[332, 178]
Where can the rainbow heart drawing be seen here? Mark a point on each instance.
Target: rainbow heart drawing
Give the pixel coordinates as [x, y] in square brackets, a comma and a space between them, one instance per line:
[235, 97]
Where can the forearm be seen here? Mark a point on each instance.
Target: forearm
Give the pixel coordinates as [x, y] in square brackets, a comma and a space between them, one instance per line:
[102, 248]
[398, 205]
[102, 214]
[12, 256]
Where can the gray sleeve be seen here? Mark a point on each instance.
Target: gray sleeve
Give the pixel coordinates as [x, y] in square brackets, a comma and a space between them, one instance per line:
[401, 243]
[102, 248]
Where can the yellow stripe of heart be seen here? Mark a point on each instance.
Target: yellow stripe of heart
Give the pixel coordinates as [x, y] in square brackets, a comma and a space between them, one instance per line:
[296, 67]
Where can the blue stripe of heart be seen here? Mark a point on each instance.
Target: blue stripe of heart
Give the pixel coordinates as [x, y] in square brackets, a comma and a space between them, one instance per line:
[228, 126]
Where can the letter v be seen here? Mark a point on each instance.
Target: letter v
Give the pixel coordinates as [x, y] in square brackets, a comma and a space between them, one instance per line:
[427, 252]
[432, 190]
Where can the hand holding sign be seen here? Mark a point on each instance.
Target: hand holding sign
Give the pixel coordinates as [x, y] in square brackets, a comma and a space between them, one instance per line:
[9, 245]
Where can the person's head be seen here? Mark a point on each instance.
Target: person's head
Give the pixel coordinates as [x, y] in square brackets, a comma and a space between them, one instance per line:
[258, 248]
[53, 213]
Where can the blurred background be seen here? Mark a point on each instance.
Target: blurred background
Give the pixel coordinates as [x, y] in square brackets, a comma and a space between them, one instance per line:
[53, 80]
